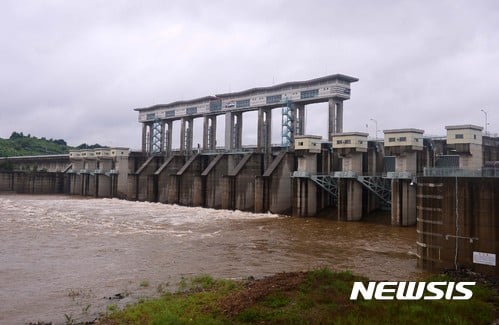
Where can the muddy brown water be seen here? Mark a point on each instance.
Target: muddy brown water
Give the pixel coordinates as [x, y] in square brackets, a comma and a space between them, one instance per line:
[66, 258]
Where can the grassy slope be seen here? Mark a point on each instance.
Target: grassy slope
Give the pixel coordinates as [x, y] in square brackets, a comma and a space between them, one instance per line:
[320, 297]
[21, 145]
[29, 147]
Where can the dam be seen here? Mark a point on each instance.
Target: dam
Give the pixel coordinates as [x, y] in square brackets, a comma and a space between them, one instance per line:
[422, 180]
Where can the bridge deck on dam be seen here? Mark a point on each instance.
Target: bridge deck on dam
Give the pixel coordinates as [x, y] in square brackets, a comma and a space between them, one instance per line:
[302, 92]
[157, 120]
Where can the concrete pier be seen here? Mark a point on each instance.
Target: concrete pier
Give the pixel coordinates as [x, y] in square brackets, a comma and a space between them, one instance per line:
[96, 172]
[352, 148]
[305, 192]
[335, 116]
[350, 201]
[407, 147]
[403, 202]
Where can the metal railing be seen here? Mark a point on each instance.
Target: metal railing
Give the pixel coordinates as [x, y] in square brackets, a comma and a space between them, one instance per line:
[222, 149]
[460, 172]
[345, 174]
[399, 175]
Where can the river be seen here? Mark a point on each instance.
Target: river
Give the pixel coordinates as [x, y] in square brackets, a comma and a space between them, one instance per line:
[64, 257]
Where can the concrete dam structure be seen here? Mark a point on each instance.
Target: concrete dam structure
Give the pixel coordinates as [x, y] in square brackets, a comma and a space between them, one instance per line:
[349, 173]
[234, 177]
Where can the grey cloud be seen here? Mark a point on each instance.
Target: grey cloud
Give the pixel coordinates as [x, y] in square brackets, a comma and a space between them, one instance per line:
[75, 70]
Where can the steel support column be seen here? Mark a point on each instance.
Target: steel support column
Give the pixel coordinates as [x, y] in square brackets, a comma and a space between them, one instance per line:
[156, 137]
[288, 125]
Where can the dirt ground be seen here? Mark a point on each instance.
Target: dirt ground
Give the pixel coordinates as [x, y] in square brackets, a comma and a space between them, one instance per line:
[256, 289]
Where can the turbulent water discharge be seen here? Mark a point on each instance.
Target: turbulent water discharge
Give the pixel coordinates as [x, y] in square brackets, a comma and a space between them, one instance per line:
[64, 258]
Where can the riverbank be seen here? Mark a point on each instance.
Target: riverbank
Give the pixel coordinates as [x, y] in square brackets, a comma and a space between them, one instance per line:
[313, 297]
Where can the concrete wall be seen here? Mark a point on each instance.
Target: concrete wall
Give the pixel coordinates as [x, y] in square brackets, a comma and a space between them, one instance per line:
[406, 162]
[142, 184]
[49, 163]
[135, 161]
[189, 181]
[403, 138]
[74, 184]
[7, 181]
[103, 184]
[278, 186]
[122, 167]
[165, 175]
[242, 188]
[213, 181]
[464, 134]
[92, 185]
[33, 182]
[243, 178]
[470, 203]
[490, 150]
[311, 144]
[474, 160]
[236, 166]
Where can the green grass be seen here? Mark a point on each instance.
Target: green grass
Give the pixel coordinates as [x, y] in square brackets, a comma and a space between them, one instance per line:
[322, 297]
[26, 145]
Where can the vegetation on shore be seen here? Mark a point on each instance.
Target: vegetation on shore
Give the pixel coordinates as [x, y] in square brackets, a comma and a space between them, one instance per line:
[315, 297]
[19, 144]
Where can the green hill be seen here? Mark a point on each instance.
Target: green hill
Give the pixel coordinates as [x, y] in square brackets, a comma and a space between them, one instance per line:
[26, 145]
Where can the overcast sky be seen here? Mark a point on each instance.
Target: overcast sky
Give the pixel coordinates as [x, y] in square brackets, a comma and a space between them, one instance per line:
[76, 69]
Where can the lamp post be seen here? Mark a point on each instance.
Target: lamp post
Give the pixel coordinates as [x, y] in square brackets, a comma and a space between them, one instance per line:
[375, 122]
[484, 112]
